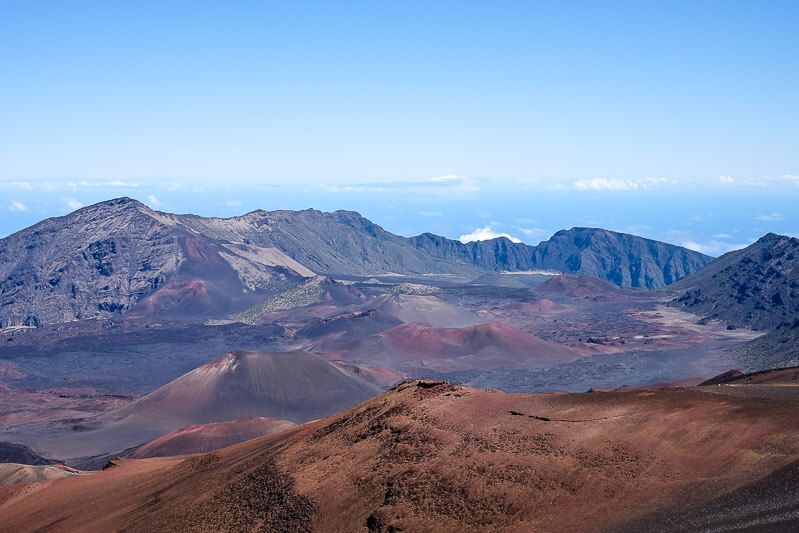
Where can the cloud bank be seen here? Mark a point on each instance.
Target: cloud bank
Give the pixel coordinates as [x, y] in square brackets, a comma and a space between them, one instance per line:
[771, 217]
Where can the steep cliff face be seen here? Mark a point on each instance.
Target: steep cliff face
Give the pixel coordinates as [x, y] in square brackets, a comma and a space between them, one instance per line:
[622, 259]
[496, 254]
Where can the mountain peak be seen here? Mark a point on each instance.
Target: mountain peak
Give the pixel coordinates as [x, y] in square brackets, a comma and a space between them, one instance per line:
[773, 237]
[110, 208]
[122, 201]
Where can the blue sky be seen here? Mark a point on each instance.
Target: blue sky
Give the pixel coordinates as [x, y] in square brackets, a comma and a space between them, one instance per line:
[674, 120]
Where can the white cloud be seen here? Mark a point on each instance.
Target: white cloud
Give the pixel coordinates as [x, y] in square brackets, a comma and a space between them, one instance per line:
[789, 179]
[722, 236]
[771, 217]
[354, 188]
[72, 203]
[457, 184]
[17, 207]
[485, 234]
[603, 184]
[25, 185]
[431, 213]
[634, 184]
[599, 184]
[233, 203]
[714, 248]
[449, 185]
[532, 232]
[702, 217]
[71, 185]
[153, 201]
[635, 229]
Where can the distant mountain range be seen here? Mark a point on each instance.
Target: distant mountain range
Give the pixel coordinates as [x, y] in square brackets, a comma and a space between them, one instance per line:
[120, 256]
[345, 243]
[622, 259]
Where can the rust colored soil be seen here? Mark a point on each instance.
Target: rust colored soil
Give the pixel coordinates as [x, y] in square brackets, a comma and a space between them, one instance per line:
[436, 457]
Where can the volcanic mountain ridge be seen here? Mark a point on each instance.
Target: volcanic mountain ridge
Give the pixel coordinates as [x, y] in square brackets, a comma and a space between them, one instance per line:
[119, 255]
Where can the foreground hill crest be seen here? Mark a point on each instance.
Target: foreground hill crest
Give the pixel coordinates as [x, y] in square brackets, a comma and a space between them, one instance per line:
[432, 456]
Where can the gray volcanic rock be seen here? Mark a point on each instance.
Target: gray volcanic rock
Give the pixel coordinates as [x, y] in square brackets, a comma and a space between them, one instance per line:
[757, 287]
[421, 309]
[622, 259]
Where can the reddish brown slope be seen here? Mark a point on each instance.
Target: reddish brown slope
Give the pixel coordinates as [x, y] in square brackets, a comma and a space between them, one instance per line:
[219, 279]
[777, 376]
[296, 386]
[436, 457]
[482, 346]
[201, 438]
